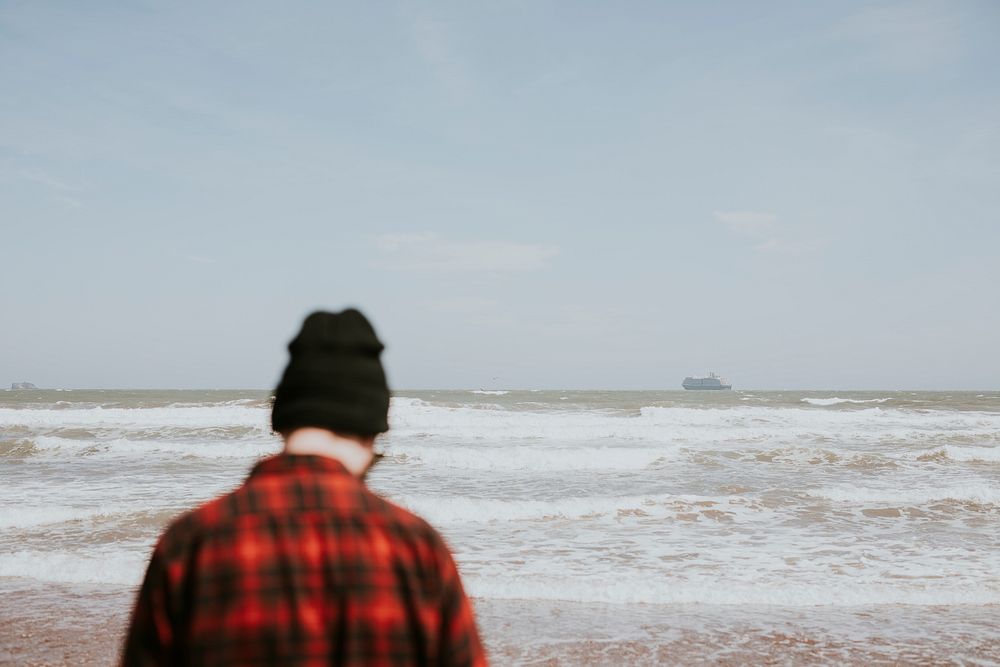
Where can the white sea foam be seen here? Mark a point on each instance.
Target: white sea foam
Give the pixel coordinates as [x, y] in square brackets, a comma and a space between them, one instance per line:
[464, 509]
[490, 392]
[970, 454]
[817, 456]
[602, 516]
[126, 564]
[216, 416]
[21, 516]
[535, 458]
[655, 588]
[414, 419]
[221, 449]
[837, 401]
[237, 402]
[119, 566]
[982, 493]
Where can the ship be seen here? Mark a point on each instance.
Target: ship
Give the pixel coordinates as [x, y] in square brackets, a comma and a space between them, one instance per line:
[713, 381]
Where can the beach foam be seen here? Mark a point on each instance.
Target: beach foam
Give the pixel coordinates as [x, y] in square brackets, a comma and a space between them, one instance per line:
[533, 458]
[466, 509]
[628, 498]
[967, 454]
[201, 417]
[117, 566]
[838, 401]
[980, 493]
[415, 419]
[653, 589]
[124, 447]
[28, 516]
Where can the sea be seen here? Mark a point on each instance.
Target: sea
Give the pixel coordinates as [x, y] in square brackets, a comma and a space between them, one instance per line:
[590, 527]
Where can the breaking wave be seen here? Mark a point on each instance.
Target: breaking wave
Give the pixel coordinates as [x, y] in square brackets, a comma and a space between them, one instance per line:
[838, 401]
[982, 494]
[27, 517]
[414, 419]
[216, 416]
[537, 458]
[964, 454]
[465, 510]
[124, 567]
[223, 449]
[652, 590]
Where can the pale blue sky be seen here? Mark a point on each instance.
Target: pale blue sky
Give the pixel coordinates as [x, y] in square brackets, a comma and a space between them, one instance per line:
[555, 194]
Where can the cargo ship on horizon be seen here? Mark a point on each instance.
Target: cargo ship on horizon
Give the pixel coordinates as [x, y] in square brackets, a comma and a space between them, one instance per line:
[711, 382]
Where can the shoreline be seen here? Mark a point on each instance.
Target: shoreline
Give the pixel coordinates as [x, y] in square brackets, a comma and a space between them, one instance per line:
[57, 624]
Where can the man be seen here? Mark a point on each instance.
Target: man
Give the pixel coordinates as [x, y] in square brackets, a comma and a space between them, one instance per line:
[303, 565]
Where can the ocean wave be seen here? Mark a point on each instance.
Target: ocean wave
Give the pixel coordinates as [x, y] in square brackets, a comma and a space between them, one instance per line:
[413, 419]
[28, 517]
[236, 402]
[121, 514]
[538, 458]
[142, 418]
[981, 494]
[490, 392]
[963, 454]
[119, 566]
[224, 449]
[469, 510]
[125, 566]
[796, 455]
[658, 589]
[838, 401]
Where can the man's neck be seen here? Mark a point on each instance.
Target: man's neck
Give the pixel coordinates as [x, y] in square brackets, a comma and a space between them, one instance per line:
[354, 456]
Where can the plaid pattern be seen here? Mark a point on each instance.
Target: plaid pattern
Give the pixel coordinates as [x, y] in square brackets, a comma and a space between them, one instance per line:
[302, 565]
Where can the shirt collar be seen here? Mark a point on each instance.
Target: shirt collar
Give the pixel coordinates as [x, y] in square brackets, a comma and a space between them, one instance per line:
[285, 463]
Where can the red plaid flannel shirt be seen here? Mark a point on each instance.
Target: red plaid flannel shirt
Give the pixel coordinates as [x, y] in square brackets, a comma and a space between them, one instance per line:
[302, 565]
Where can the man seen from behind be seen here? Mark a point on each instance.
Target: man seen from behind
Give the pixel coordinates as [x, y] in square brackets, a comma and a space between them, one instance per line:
[302, 564]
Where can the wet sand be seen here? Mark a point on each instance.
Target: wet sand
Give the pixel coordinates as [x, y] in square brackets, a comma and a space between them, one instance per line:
[554, 633]
[57, 625]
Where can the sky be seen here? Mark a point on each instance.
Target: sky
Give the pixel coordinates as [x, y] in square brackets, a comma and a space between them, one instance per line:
[524, 194]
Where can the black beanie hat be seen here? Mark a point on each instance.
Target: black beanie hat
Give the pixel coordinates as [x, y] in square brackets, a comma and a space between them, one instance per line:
[334, 378]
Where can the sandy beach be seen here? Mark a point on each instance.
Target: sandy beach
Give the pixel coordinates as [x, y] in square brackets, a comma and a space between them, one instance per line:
[55, 626]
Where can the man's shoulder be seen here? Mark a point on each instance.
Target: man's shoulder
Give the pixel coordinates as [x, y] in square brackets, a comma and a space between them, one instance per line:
[406, 523]
[189, 527]
[403, 518]
[219, 512]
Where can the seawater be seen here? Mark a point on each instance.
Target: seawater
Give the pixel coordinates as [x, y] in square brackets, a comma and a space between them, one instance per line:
[589, 526]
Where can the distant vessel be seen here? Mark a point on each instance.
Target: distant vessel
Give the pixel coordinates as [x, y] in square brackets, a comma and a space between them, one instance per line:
[713, 381]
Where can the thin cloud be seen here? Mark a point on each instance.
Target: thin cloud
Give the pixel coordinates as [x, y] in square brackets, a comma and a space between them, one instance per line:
[906, 35]
[43, 178]
[766, 231]
[747, 223]
[463, 306]
[788, 247]
[428, 252]
[435, 47]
